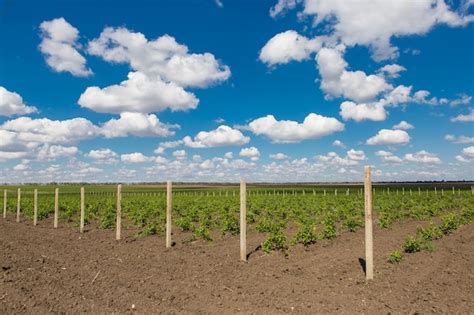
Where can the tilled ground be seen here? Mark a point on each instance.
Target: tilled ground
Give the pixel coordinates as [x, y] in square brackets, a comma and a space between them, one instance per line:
[61, 271]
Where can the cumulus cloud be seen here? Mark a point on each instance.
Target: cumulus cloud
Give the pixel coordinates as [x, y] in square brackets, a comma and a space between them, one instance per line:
[180, 154]
[288, 46]
[167, 145]
[162, 57]
[356, 155]
[459, 139]
[392, 70]
[403, 125]
[139, 93]
[106, 156]
[11, 103]
[467, 155]
[52, 152]
[359, 112]
[389, 137]
[388, 157]
[339, 143]
[59, 46]
[282, 6]
[136, 124]
[287, 131]
[135, 157]
[464, 118]
[337, 81]
[359, 23]
[44, 130]
[352, 158]
[251, 152]
[423, 157]
[222, 136]
[278, 156]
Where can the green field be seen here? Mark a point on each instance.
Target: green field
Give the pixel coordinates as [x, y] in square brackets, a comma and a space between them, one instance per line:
[286, 215]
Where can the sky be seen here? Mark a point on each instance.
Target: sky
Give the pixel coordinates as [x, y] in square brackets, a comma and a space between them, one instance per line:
[212, 90]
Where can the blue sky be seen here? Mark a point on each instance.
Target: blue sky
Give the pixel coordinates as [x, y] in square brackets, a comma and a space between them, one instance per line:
[287, 90]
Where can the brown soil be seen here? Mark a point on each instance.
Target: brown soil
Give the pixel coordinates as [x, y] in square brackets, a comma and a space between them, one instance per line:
[61, 271]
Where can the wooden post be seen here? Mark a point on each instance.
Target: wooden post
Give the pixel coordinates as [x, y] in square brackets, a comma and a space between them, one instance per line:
[118, 230]
[35, 207]
[4, 203]
[335, 192]
[243, 220]
[369, 258]
[81, 227]
[403, 190]
[419, 191]
[169, 201]
[324, 192]
[18, 206]
[56, 208]
[453, 190]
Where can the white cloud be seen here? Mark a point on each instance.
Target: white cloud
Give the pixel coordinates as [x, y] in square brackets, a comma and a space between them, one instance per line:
[222, 136]
[23, 166]
[11, 103]
[462, 100]
[180, 154]
[423, 157]
[135, 157]
[339, 143]
[360, 112]
[229, 155]
[356, 155]
[52, 152]
[403, 125]
[282, 6]
[167, 145]
[374, 23]
[251, 152]
[467, 155]
[389, 137]
[288, 46]
[392, 71]
[137, 124]
[336, 81]
[279, 156]
[140, 93]
[333, 159]
[106, 156]
[59, 46]
[219, 3]
[287, 131]
[388, 157]
[44, 130]
[162, 57]
[464, 118]
[459, 139]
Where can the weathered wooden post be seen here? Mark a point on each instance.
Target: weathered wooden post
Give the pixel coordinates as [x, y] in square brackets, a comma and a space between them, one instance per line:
[369, 258]
[118, 230]
[453, 190]
[4, 203]
[18, 205]
[169, 204]
[81, 227]
[35, 207]
[243, 220]
[56, 208]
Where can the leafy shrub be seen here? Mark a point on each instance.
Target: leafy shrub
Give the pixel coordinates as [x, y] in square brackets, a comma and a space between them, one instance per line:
[203, 232]
[352, 223]
[306, 235]
[275, 241]
[430, 233]
[449, 223]
[329, 228]
[412, 245]
[184, 223]
[395, 257]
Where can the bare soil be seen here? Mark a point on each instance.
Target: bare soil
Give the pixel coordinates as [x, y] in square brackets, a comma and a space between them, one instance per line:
[46, 270]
